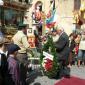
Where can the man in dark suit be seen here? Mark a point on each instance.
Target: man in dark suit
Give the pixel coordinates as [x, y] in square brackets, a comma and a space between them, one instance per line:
[62, 45]
[5, 78]
[62, 51]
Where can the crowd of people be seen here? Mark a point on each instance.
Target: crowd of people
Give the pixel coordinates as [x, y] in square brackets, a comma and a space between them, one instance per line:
[14, 59]
[71, 47]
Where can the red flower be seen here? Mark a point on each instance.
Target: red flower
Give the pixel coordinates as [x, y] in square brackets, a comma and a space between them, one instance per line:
[48, 65]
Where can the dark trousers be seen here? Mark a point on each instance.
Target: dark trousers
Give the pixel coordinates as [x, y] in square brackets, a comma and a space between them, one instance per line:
[23, 62]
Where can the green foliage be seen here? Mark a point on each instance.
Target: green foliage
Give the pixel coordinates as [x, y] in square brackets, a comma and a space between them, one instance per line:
[50, 48]
[55, 69]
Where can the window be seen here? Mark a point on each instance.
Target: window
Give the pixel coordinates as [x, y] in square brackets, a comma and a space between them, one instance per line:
[20, 0]
[12, 17]
[26, 1]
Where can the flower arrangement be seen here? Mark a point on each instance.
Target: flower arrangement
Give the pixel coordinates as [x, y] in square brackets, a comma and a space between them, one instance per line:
[48, 59]
[47, 62]
[48, 65]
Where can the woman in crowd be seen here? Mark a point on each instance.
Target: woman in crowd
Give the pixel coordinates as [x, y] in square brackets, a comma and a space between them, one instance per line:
[72, 44]
[81, 52]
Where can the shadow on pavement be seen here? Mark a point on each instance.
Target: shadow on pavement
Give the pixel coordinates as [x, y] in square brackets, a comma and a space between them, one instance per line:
[36, 83]
[36, 73]
[32, 76]
[65, 72]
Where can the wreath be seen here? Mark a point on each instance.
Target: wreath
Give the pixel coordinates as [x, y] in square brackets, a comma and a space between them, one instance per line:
[49, 60]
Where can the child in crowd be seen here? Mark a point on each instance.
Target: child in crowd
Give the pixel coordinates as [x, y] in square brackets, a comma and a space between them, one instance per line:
[13, 65]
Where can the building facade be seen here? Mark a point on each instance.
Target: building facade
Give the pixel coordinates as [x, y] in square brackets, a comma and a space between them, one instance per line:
[12, 13]
[34, 12]
[64, 8]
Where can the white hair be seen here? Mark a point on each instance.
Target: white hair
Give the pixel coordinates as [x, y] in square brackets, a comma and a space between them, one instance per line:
[60, 27]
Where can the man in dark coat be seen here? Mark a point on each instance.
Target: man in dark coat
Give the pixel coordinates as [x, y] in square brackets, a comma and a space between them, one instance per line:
[20, 39]
[5, 78]
[62, 45]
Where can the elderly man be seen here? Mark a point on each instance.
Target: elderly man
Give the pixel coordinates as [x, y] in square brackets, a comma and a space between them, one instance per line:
[62, 45]
[20, 39]
[62, 51]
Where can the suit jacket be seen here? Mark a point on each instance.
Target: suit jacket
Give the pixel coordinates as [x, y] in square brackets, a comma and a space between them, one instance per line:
[4, 65]
[5, 78]
[62, 46]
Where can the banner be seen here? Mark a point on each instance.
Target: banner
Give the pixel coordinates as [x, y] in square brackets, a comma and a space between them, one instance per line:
[47, 55]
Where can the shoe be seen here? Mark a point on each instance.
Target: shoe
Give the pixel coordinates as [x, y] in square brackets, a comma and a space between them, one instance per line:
[78, 66]
[67, 76]
[69, 66]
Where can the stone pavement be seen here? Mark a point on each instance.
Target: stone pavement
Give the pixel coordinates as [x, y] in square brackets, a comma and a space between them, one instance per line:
[78, 71]
[36, 77]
